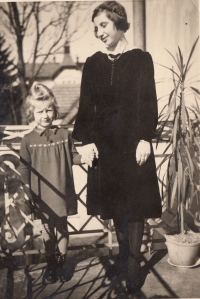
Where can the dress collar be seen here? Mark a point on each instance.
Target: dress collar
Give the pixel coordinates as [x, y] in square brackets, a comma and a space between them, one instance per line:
[128, 48]
[40, 131]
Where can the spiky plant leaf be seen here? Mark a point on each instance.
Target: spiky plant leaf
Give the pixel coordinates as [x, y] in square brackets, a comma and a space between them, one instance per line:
[174, 190]
[174, 131]
[195, 90]
[181, 61]
[183, 120]
[175, 60]
[189, 58]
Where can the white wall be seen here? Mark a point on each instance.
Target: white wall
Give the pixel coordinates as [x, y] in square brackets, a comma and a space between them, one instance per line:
[169, 24]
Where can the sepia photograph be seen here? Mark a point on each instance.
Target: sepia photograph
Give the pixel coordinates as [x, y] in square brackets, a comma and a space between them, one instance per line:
[100, 149]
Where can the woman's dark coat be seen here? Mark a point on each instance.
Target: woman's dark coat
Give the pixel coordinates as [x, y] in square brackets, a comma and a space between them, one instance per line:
[115, 113]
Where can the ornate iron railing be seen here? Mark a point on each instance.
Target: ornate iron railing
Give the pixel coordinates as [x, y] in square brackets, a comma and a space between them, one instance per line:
[20, 233]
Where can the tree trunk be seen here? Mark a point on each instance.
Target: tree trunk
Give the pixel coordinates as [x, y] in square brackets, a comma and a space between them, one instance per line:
[22, 76]
[21, 65]
[23, 95]
[12, 108]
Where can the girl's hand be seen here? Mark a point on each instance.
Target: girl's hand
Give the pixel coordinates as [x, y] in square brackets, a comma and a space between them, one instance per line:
[142, 152]
[88, 151]
[28, 198]
[28, 195]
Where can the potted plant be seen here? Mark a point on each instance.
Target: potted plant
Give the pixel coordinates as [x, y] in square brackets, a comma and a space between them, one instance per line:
[179, 184]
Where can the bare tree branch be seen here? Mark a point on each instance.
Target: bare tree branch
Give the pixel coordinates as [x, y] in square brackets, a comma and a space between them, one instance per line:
[49, 24]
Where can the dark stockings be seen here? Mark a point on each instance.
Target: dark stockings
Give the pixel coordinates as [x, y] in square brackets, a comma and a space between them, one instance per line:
[55, 241]
[129, 236]
[135, 241]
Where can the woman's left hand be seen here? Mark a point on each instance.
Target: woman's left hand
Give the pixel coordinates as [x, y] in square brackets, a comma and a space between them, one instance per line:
[142, 152]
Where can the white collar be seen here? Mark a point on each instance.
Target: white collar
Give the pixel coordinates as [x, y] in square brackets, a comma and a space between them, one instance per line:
[128, 48]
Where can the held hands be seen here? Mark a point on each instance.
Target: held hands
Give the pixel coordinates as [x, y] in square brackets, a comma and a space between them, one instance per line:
[142, 152]
[87, 158]
[90, 151]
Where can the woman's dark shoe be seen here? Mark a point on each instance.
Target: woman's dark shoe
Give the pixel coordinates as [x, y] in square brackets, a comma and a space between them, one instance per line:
[50, 273]
[120, 266]
[50, 276]
[132, 290]
[132, 287]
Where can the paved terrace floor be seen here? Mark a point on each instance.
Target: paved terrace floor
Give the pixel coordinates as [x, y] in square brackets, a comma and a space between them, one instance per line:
[86, 274]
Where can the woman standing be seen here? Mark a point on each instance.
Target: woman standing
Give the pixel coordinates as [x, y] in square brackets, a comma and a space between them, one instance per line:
[117, 119]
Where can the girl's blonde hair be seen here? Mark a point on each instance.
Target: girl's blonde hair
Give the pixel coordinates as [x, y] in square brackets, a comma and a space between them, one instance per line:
[39, 92]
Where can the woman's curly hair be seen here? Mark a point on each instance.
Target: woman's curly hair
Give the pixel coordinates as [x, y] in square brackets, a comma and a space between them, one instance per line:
[39, 92]
[114, 12]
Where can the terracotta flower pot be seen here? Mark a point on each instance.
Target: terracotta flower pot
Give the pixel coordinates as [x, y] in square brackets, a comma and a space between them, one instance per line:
[182, 254]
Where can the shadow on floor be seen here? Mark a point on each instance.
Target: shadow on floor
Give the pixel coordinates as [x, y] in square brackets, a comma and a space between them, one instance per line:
[86, 280]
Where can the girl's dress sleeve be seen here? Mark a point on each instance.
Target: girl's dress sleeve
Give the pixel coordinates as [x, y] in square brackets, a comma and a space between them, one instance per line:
[148, 113]
[83, 128]
[25, 162]
[75, 156]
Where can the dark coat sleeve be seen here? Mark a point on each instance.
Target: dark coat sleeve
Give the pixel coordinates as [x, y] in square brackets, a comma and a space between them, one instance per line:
[83, 128]
[25, 162]
[148, 111]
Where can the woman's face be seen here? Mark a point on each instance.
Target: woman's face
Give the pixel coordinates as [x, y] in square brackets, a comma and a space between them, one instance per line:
[106, 31]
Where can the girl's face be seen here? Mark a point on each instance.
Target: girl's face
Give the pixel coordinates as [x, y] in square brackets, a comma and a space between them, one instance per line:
[106, 31]
[44, 113]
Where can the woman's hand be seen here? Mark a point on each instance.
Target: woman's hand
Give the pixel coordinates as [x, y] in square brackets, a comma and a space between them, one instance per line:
[142, 152]
[90, 150]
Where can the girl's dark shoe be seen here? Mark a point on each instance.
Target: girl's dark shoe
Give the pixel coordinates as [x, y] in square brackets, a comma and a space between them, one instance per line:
[50, 273]
[60, 260]
[61, 267]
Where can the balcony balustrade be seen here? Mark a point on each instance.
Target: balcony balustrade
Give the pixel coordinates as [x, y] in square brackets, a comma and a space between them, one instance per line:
[20, 233]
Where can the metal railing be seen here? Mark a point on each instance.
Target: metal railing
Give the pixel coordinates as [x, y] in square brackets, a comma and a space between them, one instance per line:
[18, 229]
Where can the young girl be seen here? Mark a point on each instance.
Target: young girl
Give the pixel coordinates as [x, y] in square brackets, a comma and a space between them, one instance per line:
[117, 119]
[47, 154]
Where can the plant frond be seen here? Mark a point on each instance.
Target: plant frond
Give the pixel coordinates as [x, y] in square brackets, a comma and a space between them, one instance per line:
[190, 56]
[181, 61]
[174, 130]
[169, 69]
[184, 186]
[183, 112]
[190, 163]
[178, 65]
[195, 90]
[174, 191]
